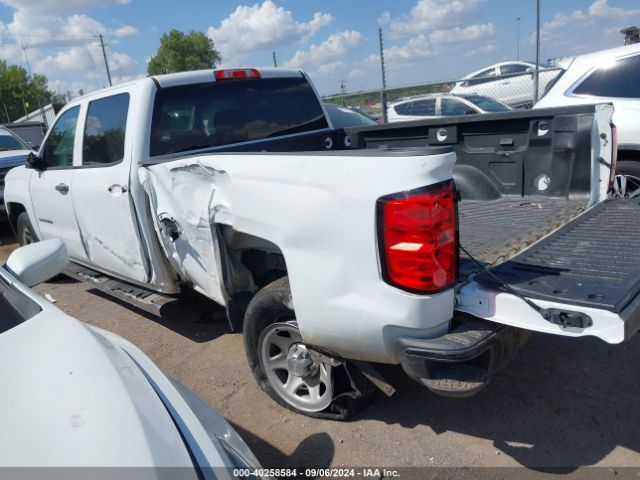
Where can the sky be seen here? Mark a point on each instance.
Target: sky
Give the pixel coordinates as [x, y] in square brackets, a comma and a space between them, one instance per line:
[334, 41]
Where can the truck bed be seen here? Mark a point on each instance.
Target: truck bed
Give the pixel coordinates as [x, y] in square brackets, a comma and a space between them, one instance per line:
[493, 231]
[593, 261]
[504, 208]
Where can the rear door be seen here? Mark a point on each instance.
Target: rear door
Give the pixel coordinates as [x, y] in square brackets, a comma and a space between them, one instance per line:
[51, 188]
[100, 188]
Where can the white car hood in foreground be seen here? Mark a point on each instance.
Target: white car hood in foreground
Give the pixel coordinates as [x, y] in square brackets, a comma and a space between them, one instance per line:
[72, 398]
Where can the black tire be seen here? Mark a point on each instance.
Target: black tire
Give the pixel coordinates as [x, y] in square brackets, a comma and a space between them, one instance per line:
[272, 304]
[24, 230]
[631, 168]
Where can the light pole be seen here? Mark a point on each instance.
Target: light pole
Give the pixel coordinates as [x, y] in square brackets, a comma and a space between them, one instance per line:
[518, 37]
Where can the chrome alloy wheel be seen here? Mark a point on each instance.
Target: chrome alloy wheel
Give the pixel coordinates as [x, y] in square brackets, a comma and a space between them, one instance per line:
[293, 371]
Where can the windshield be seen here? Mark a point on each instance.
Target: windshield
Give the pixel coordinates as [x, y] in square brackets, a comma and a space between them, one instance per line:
[342, 117]
[8, 142]
[190, 117]
[15, 307]
[487, 104]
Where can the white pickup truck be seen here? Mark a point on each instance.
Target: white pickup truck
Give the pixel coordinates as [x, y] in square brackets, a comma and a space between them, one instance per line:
[437, 244]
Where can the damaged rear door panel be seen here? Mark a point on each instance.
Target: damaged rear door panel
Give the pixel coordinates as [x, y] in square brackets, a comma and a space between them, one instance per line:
[188, 201]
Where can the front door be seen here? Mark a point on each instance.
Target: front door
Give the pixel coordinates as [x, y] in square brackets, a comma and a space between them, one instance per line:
[51, 188]
[100, 190]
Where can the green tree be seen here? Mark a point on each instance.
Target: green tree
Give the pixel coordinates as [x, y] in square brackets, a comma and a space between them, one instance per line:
[181, 52]
[19, 91]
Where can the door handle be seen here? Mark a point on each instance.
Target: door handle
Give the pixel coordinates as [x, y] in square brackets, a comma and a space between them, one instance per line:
[117, 189]
[62, 188]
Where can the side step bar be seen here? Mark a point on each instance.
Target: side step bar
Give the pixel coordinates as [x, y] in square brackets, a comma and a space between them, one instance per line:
[147, 300]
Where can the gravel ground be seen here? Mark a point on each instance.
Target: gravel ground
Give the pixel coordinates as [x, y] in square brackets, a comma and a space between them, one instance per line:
[561, 403]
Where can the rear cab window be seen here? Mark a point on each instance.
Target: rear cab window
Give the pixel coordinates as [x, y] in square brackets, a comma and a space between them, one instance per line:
[217, 113]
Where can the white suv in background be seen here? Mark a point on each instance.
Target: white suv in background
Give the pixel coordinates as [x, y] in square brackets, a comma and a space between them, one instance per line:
[507, 82]
[606, 76]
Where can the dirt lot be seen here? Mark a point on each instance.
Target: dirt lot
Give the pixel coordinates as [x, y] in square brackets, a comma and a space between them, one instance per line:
[560, 403]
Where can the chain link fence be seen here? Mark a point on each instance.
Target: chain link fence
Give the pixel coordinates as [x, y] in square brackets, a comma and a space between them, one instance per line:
[485, 91]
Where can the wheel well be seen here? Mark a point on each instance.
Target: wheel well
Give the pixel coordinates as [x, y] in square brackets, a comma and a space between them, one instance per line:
[249, 262]
[14, 210]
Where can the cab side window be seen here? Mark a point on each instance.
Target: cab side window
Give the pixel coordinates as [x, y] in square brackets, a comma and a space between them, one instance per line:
[58, 150]
[104, 131]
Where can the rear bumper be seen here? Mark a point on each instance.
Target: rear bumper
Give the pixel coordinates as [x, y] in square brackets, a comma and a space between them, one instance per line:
[461, 362]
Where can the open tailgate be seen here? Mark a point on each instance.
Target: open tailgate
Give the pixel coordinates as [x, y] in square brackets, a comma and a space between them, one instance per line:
[587, 273]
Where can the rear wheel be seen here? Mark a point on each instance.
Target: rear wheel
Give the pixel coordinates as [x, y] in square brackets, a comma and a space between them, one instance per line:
[24, 230]
[288, 370]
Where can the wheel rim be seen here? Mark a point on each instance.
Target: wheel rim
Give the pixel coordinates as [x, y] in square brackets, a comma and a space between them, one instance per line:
[26, 237]
[294, 372]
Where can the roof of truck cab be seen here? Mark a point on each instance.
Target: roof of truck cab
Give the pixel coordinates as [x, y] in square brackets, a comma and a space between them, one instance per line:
[202, 76]
[192, 77]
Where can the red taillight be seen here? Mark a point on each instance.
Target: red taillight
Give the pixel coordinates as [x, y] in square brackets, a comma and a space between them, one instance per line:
[236, 73]
[419, 238]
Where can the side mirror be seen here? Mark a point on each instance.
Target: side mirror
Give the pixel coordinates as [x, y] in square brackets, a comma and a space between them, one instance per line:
[38, 262]
[35, 162]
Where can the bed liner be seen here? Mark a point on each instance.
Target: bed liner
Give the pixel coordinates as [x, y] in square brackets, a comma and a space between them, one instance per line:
[592, 261]
[493, 231]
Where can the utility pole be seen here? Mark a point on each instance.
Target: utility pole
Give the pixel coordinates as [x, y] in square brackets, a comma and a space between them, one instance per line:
[104, 54]
[536, 78]
[6, 112]
[26, 57]
[275, 60]
[518, 37]
[383, 92]
[343, 90]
